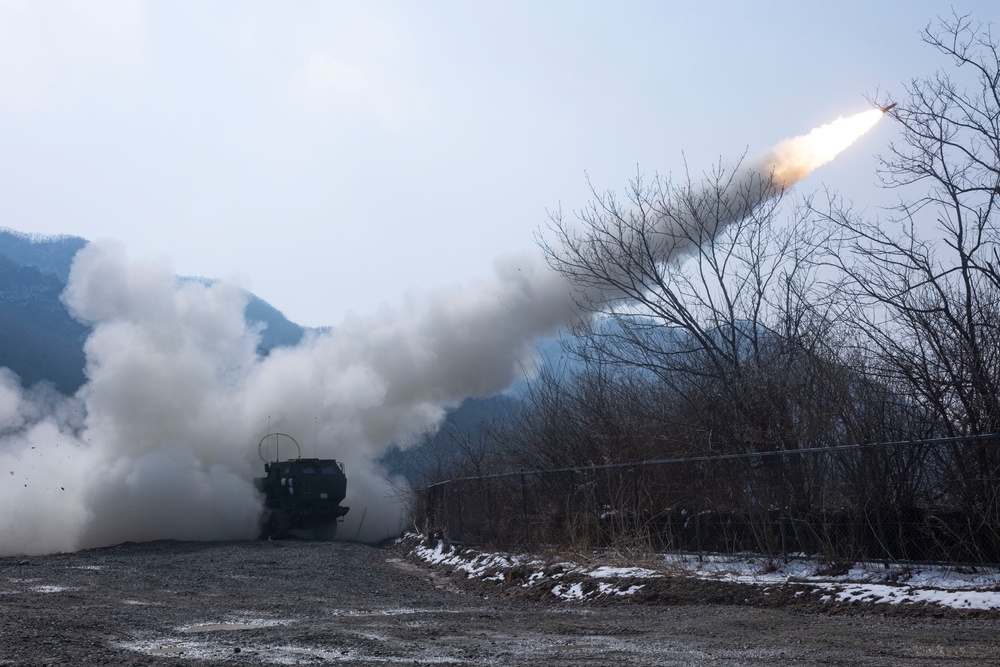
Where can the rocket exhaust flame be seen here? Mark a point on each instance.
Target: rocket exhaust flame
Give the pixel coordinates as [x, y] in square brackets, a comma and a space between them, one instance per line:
[159, 442]
[794, 159]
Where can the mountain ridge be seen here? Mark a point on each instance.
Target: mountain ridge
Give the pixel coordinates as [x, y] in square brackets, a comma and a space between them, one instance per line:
[41, 342]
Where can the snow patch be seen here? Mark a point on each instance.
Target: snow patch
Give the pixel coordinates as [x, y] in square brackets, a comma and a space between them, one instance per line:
[873, 583]
[861, 582]
[606, 572]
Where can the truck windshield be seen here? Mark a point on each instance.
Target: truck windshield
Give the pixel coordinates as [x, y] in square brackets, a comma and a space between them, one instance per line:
[331, 469]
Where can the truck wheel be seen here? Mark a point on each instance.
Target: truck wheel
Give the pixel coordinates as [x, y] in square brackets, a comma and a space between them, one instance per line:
[274, 525]
[326, 533]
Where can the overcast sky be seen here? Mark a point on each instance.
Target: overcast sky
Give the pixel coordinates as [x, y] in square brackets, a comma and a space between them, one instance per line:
[336, 156]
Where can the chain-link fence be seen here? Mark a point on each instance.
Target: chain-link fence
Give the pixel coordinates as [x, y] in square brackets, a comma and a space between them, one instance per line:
[931, 501]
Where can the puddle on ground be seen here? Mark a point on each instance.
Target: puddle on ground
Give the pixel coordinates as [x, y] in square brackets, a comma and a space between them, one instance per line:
[221, 627]
[403, 611]
[198, 647]
[951, 651]
[574, 647]
[245, 624]
[49, 589]
[266, 653]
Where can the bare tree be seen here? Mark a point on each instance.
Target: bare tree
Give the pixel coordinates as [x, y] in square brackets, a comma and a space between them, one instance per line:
[708, 334]
[701, 286]
[922, 289]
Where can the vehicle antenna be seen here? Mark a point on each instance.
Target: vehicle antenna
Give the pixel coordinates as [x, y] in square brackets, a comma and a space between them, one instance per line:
[361, 523]
[316, 437]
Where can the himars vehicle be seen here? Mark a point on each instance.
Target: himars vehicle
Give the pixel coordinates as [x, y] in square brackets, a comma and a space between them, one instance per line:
[300, 494]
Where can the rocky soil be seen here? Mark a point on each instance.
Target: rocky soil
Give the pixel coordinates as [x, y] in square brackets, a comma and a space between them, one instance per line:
[299, 602]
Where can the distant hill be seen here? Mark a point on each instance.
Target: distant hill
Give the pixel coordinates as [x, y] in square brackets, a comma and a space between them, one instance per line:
[40, 341]
[49, 254]
[420, 462]
[279, 332]
[38, 338]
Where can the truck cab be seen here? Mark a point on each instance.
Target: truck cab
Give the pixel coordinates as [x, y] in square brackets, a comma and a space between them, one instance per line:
[303, 494]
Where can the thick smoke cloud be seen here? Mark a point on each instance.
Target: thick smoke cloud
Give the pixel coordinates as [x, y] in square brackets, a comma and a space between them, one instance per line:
[160, 441]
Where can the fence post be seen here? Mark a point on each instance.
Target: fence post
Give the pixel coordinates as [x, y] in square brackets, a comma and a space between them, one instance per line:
[696, 508]
[524, 512]
[430, 508]
[883, 545]
[461, 526]
[572, 504]
[494, 536]
[783, 505]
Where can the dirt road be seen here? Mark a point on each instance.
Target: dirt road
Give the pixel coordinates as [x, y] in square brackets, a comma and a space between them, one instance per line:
[297, 602]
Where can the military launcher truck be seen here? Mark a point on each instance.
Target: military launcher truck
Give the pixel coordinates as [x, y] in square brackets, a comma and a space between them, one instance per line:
[299, 494]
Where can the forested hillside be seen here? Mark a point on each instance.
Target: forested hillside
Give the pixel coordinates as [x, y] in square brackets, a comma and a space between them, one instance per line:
[41, 341]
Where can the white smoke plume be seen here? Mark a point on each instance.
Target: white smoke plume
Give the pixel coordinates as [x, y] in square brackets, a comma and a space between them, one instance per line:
[667, 223]
[161, 440]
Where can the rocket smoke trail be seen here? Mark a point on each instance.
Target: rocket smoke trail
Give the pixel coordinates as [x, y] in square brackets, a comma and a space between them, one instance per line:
[159, 442]
[668, 223]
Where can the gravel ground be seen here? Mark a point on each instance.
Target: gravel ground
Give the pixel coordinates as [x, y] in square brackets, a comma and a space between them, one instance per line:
[299, 602]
